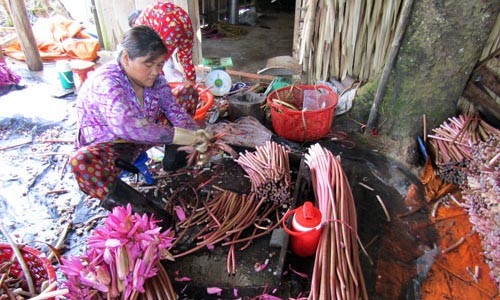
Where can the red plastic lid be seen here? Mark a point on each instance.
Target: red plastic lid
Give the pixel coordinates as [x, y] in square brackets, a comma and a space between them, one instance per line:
[307, 215]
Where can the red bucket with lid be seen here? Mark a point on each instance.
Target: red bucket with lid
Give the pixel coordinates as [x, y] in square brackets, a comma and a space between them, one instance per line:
[306, 229]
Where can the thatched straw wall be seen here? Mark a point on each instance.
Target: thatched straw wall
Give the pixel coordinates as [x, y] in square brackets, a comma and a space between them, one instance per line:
[337, 37]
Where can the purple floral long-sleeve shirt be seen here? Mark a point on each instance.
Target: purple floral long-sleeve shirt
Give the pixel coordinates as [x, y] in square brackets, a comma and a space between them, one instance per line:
[108, 110]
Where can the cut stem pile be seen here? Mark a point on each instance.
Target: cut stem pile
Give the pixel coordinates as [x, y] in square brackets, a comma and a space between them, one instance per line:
[17, 286]
[481, 192]
[469, 149]
[453, 141]
[224, 218]
[14, 287]
[337, 272]
[268, 168]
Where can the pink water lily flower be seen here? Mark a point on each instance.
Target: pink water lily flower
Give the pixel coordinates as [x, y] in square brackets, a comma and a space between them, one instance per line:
[214, 290]
[180, 213]
[122, 254]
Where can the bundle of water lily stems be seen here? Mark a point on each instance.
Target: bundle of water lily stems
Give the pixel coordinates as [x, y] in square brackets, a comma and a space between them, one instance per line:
[225, 217]
[337, 272]
[268, 168]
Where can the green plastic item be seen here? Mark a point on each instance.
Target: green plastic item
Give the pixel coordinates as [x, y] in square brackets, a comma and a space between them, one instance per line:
[217, 62]
[280, 82]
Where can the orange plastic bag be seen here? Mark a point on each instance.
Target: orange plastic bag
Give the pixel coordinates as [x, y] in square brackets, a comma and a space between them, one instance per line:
[85, 49]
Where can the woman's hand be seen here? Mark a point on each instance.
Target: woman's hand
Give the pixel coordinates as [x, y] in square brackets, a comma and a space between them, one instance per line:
[199, 138]
[202, 138]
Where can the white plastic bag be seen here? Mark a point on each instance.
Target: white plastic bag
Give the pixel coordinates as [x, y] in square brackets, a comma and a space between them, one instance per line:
[314, 99]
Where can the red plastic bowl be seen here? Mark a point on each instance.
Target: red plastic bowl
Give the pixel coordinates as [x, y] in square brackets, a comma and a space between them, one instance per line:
[40, 267]
[206, 98]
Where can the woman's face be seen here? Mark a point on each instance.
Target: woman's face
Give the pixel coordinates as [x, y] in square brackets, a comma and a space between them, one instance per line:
[143, 70]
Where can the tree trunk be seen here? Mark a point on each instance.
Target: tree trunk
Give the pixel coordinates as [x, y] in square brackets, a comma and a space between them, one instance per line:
[442, 44]
[25, 34]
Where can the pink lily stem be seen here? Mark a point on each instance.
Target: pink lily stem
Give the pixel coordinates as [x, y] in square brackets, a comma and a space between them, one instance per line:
[158, 288]
[238, 216]
[167, 284]
[464, 129]
[134, 295]
[231, 257]
[186, 225]
[148, 290]
[271, 228]
[211, 214]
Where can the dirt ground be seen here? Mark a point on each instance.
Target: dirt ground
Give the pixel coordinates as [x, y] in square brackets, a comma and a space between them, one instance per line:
[272, 36]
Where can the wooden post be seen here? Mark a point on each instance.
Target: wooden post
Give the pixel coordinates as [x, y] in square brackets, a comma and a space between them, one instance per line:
[296, 28]
[25, 35]
[194, 14]
[93, 9]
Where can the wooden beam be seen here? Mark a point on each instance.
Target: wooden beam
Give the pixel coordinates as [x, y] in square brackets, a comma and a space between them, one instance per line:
[25, 35]
[97, 22]
[489, 79]
[251, 76]
[484, 103]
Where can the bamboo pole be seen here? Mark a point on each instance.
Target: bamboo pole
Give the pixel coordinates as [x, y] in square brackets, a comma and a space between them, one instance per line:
[401, 28]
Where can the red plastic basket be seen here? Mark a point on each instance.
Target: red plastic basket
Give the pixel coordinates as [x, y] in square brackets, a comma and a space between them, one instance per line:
[41, 269]
[297, 125]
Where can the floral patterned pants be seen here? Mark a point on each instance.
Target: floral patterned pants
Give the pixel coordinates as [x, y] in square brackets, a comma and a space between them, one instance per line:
[95, 166]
